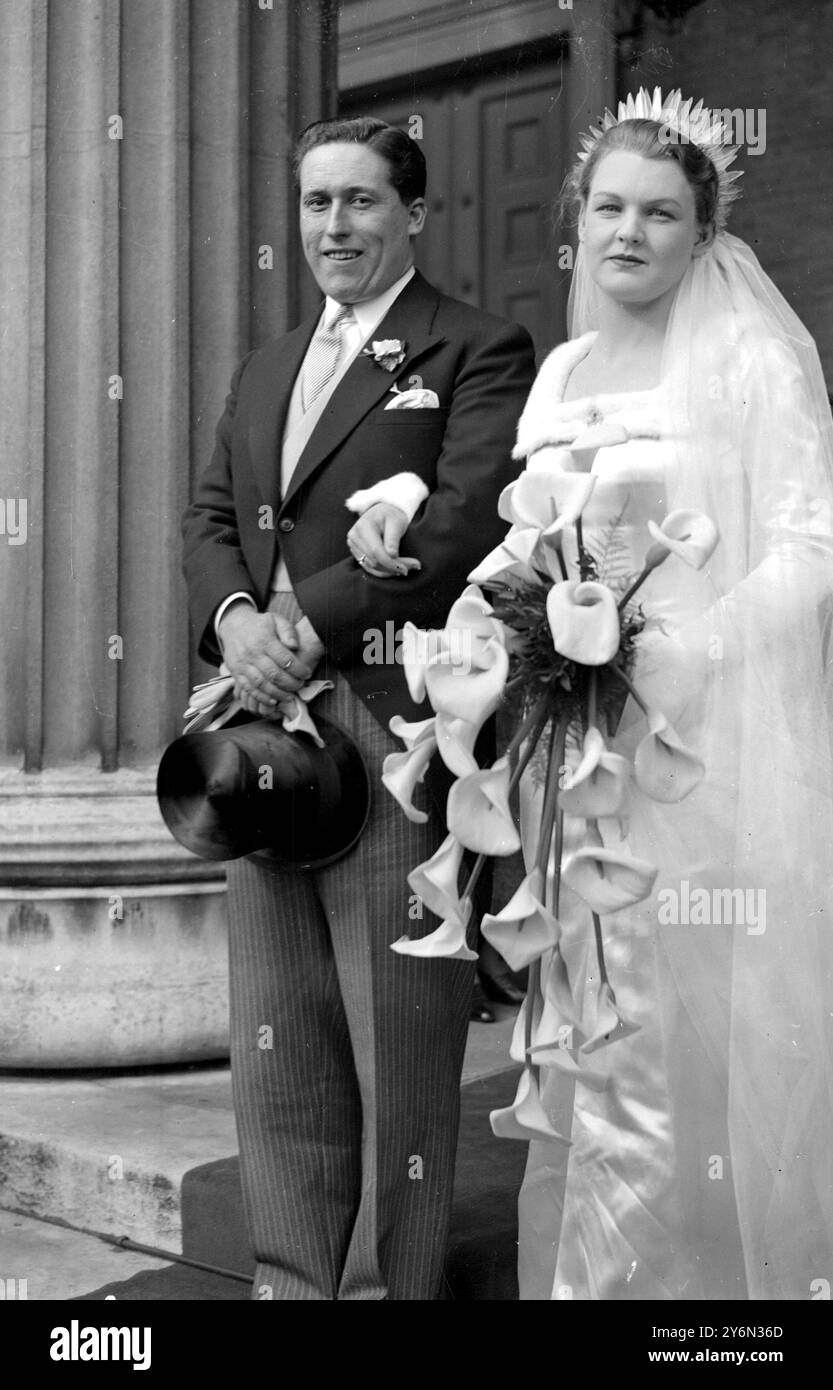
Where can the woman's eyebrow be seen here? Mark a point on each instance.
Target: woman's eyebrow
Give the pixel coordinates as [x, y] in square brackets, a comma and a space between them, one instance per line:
[663, 198]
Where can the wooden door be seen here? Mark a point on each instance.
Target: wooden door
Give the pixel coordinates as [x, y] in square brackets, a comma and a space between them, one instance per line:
[494, 146]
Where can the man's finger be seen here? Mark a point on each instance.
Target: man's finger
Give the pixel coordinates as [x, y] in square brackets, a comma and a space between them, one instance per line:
[286, 631]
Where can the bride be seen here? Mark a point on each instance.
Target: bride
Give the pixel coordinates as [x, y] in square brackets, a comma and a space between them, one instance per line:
[699, 1162]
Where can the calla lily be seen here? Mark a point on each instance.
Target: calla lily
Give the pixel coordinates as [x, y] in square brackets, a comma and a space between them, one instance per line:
[447, 942]
[402, 771]
[553, 1012]
[690, 535]
[413, 733]
[598, 786]
[513, 557]
[473, 614]
[584, 621]
[466, 678]
[478, 811]
[526, 1117]
[540, 500]
[435, 881]
[558, 1039]
[586, 445]
[665, 769]
[470, 692]
[417, 648]
[607, 1024]
[606, 879]
[524, 929]
[455, 742]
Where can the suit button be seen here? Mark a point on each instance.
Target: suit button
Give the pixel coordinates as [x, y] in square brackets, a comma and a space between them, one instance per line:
[286, 524]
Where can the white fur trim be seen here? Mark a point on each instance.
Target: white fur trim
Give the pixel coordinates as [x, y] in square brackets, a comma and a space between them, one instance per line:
[406, 491]
[535, 424]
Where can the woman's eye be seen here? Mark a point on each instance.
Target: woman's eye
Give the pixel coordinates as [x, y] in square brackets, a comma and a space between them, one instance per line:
[663, 212]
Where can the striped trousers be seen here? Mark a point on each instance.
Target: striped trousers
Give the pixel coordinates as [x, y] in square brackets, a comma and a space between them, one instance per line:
[346, 1059]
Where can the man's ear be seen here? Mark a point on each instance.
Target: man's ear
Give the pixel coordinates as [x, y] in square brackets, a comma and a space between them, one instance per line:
[705, 237]
[417, 212]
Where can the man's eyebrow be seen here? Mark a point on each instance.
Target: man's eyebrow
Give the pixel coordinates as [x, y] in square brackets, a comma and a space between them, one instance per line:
[325, 192]
[649, 202]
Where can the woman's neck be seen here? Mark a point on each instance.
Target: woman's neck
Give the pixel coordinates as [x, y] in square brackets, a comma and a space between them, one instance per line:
[625, 329]
[627, 352]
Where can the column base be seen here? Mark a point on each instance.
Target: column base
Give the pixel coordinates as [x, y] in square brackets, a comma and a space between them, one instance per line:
[113, 939]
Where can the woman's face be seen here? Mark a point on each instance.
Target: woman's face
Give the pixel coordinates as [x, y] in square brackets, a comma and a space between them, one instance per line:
[638, 227]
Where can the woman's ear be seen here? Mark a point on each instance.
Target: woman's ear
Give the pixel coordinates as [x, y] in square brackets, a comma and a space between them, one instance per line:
[582, 219]
[705, 237]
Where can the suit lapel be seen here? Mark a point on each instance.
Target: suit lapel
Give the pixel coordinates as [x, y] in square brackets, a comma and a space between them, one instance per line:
[279, 366]
[365, 383]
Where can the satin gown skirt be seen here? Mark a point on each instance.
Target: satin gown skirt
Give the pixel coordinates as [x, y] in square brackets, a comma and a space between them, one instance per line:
[641, 1206]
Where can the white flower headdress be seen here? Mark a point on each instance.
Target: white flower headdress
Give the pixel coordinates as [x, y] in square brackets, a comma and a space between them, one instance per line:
[693, 124]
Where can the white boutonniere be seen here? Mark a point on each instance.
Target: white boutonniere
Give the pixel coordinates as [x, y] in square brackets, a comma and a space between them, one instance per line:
[386, 352]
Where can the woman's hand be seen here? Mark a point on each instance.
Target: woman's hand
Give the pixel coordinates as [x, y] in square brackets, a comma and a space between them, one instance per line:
[374, 542]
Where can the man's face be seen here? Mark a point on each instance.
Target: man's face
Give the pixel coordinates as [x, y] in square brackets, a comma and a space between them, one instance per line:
[357, 233]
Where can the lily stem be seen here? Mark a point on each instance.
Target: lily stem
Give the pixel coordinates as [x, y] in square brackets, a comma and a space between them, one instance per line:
[592, 699]
[600, 949]
[551, 815]
[617, 671]
[582, 555]
[637, 584]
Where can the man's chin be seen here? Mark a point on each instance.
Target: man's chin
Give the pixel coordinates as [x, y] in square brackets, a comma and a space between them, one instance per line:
[341, 281]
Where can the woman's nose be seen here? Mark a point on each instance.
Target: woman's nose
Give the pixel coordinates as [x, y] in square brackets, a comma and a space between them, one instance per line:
[630, 228]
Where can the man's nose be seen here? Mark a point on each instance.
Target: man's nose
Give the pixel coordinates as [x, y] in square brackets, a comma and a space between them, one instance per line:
[338, 221]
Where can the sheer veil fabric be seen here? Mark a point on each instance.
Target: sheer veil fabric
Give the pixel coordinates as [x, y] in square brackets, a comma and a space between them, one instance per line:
[737, 1047]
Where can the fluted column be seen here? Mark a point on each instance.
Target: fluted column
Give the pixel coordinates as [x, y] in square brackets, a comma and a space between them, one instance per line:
[143, 162]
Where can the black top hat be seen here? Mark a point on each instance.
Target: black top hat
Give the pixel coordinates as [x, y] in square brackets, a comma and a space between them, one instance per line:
[252, 788]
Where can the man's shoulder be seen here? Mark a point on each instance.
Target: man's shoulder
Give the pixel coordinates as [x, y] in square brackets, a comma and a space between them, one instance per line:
[471, 320]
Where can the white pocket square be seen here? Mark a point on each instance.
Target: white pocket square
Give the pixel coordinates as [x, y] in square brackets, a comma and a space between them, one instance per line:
[418, 398]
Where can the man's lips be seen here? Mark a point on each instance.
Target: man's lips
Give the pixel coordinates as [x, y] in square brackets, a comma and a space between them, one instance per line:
[340, 253]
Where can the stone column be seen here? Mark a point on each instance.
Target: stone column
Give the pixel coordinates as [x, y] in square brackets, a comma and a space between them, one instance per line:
[144, 162]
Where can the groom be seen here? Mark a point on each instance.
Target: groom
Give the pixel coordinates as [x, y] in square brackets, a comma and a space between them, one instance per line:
[346, 1057]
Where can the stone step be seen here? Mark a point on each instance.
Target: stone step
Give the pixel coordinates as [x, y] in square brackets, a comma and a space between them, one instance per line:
[147, 1154]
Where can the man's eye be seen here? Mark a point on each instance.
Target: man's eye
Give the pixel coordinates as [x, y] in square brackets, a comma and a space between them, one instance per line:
[361, 202]
[663, 212]
[314, 204]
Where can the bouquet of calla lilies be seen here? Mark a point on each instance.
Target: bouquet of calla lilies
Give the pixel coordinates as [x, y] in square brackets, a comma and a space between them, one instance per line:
[556, 645]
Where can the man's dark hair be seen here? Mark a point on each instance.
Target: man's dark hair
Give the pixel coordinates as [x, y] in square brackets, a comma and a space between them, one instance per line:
[403, 156]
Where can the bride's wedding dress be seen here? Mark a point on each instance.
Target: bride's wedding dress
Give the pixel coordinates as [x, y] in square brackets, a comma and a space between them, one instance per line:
[700, 1164]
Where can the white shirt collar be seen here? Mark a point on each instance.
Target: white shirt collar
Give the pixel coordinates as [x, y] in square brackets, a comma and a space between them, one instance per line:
[370, 312]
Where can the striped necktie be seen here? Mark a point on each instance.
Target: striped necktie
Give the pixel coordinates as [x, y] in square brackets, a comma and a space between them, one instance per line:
[323, 355]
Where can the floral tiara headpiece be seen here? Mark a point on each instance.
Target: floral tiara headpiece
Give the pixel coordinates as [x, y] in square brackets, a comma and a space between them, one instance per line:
[691, 124]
